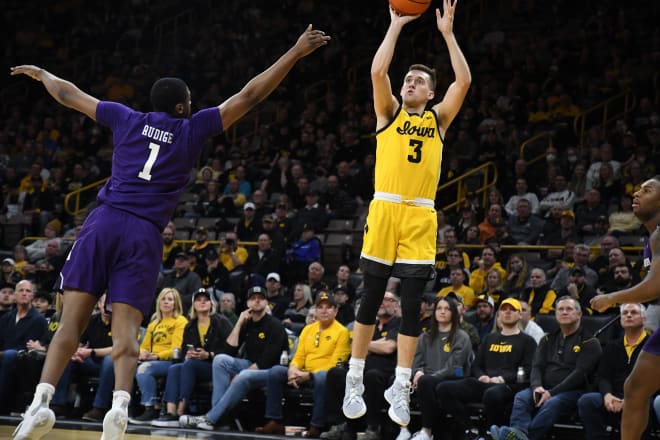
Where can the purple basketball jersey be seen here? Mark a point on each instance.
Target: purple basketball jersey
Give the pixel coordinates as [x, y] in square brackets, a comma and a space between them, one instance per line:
[153, 156]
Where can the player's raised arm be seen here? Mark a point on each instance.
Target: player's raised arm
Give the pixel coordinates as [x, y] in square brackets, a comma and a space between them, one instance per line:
[262, 85]
[64, 92]
[385, 104]
[448, 108]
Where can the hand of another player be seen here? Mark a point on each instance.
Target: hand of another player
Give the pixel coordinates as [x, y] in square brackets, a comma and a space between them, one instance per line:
[446, 22]
[33, 72]
[311, 40]
[601, 303]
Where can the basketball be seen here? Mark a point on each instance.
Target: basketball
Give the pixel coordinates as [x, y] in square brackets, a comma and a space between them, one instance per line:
[410, 7]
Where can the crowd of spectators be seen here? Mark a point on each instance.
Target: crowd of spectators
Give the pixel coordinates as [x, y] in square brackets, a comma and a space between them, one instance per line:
[310, 159]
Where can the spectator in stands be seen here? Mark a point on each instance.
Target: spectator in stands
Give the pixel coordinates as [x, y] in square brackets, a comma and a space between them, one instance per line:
[345, 310]
[580, 259]
[315, 273]
[17, 327]
[204, 336]
[339, 204]
[282, 221]
[277, 239]
[443, 226]
[528, 326]
[343, 278]
[467, 327]
[163, 335]
[588, 212]
[522, 192]
[443, 353]
[320, 346]
[560, 193]
[495, 368]
[297, 310]
[37, 249]
[623, 220]
[467, 221]
[20, 259]
[485, 315]
[601, 263]
[208, 203]
[493, 286]
[232, 256]
[457, 285]
[444, 267]
[616, 257]
[564, 362]
[6, 298]
[606, 157]
[8, 272]
[253, 346]
[486, 263]
[493, 218]
[213, 274]
[378, 375]
[232, 201]
[603, 408]
[38, 203]
[578, 289]
[517, 276]
[91, 357]
[47, 268]
[43, 302]
[262, 260]
[277, 301]
[170, 248]
[539, 295]
[183, 280]
[302, 253]
[524, 227]
[201, 244]
[248, 226]
[578, 181]
[227, 306]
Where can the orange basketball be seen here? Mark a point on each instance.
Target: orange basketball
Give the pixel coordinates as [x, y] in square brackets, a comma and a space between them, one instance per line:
[410, 7]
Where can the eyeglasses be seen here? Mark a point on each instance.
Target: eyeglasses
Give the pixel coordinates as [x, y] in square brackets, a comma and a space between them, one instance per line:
[390, 299]
[317, 339]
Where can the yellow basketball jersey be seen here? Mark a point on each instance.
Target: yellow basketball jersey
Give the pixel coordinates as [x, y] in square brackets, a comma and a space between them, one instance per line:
[408, 155]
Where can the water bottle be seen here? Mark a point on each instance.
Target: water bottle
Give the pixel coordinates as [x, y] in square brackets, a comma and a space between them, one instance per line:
[176, 355]
[284, 358]
[340, 364]
[520, 376]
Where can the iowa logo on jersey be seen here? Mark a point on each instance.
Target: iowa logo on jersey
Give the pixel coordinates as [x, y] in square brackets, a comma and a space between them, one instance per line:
[410, 129]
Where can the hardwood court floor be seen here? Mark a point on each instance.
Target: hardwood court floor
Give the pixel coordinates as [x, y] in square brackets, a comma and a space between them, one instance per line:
[82, 430]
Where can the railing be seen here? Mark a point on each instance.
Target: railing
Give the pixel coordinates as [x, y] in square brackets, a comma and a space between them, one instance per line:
[74, 197]
[488, 174]
[545, 136]
[604, 113]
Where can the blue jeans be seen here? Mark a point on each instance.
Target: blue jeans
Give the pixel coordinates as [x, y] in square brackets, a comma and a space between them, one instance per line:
[227, 393]
[89, 367]
[103, 398]
[595, 417]
[7, 369]
[277, 379]
[182, 378]
[537, 425]
[147, 374]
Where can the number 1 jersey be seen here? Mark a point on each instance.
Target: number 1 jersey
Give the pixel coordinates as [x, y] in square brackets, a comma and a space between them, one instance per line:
[153, 156]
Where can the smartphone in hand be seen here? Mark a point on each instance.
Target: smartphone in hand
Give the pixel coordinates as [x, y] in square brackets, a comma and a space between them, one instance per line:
[537, 396]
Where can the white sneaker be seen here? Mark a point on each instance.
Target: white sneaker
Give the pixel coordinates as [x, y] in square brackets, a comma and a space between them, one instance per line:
[188, 421]
[398, 396]
[404, 434]
[36, 424]
[354, 406]
[114, 424]
[422, 435]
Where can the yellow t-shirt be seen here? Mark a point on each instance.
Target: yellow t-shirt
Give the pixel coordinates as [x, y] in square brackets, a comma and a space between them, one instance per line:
[321, 350]
[163, 336]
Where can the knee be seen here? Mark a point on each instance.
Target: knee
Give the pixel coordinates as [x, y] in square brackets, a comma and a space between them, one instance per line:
[587, 403]
[220, 361]
[125, 347]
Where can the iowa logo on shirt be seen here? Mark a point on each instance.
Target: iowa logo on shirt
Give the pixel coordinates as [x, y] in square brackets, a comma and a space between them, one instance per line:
[410, 129]
[500, 348]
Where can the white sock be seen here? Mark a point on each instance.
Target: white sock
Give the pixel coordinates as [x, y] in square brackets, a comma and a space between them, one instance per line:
[402, 374]
[121, 399]
[355, 367]
[42, 395]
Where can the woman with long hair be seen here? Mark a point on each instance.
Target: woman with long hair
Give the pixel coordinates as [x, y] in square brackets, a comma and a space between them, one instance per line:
[493, 287]
[443, 352]
[164, 334]
[203, 338]
[517, 276]
[297, 311]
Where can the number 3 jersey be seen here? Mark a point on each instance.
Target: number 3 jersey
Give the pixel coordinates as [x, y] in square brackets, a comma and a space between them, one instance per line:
[152, 158]
[408, 155]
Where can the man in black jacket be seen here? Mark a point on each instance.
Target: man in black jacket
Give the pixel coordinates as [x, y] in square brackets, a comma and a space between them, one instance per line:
[256, 343]
[602, 408]
[563, 363]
